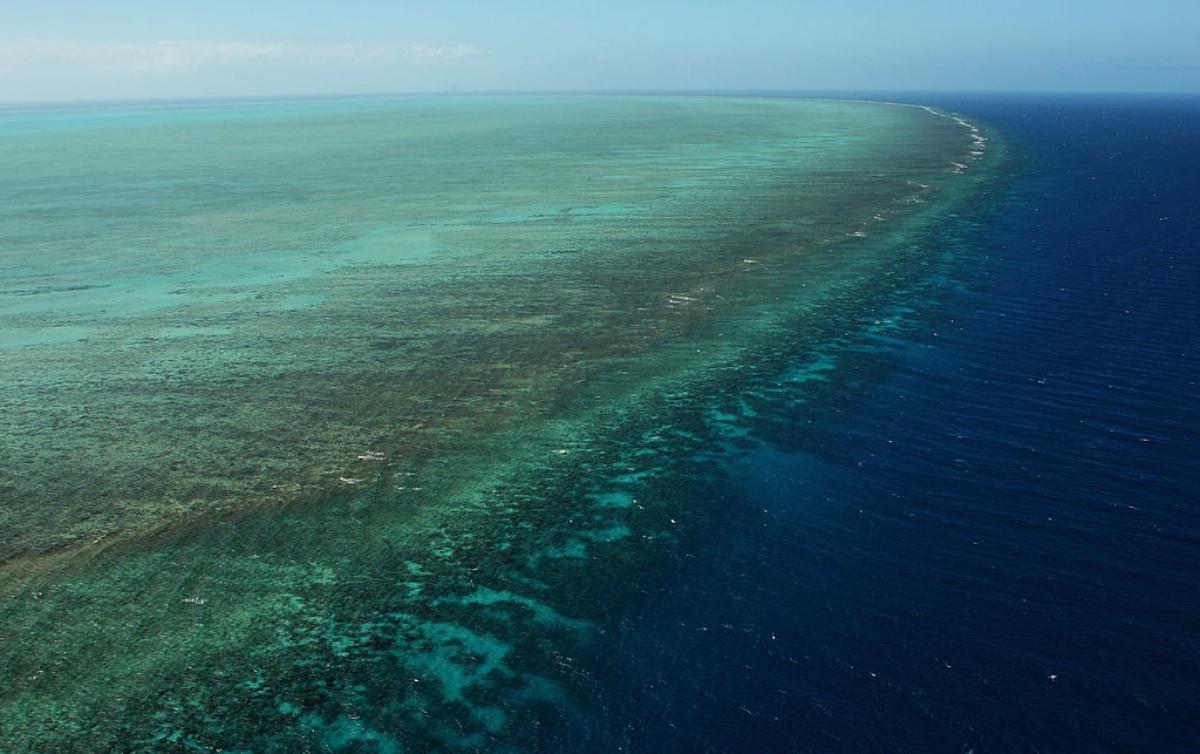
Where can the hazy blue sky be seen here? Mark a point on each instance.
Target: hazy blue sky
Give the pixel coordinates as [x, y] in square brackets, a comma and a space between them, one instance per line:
[80, 49]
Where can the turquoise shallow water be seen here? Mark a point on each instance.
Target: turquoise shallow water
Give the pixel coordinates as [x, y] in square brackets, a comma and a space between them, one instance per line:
[346, 424]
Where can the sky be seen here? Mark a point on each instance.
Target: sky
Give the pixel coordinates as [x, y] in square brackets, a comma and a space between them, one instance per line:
[54, 50]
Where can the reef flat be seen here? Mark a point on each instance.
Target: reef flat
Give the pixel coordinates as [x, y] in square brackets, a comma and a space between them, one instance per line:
[342, 424]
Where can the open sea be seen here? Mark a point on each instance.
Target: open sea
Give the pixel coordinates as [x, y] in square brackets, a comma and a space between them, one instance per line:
[601, 425]
[987, 536]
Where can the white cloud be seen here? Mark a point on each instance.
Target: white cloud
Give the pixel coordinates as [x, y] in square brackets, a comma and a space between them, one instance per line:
[170, 55]
[44, 70]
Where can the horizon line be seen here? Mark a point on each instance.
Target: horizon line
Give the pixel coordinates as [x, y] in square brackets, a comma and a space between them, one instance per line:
[711, 92]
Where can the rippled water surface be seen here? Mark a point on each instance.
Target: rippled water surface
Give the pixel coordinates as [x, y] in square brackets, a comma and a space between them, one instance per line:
[985, 535]
[595, 424]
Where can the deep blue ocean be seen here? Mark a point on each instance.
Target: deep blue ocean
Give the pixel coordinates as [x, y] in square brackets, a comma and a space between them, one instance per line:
[987, 538]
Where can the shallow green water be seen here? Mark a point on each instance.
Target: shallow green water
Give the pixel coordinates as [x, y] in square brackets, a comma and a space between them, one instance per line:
[341, 425]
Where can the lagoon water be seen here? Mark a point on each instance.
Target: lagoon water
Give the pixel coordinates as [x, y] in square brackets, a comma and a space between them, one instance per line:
[598, 423]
